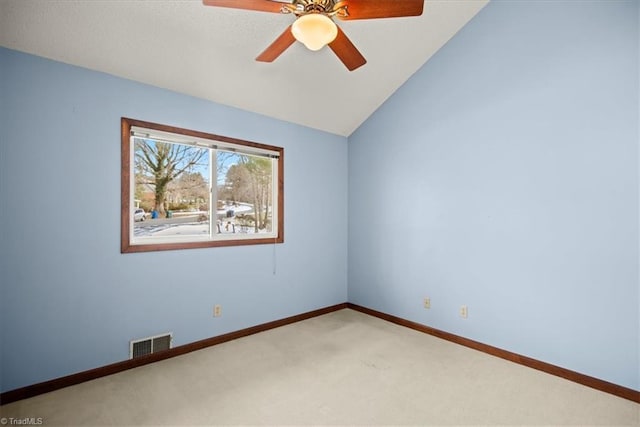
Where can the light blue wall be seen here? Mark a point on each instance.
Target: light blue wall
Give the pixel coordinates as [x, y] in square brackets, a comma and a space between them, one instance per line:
[69, 300]
[504, 175]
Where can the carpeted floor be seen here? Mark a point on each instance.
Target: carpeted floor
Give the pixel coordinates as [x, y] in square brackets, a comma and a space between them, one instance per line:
[342, 368]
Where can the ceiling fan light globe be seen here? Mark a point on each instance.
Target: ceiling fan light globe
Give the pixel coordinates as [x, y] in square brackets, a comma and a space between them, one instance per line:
[314, 30]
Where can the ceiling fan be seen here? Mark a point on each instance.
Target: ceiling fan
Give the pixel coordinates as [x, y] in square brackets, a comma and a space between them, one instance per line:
[314, 25]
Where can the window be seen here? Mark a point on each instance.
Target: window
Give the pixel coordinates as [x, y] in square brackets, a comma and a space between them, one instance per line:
[186, 189]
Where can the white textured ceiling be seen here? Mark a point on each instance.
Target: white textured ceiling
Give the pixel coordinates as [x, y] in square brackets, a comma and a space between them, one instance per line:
[209, 52]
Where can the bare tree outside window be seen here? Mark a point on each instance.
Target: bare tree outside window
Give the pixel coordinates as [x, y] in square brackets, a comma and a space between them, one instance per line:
[249, 181]
[159, 165]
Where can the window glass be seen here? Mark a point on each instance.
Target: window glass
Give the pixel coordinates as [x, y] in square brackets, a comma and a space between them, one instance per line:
[187, 189]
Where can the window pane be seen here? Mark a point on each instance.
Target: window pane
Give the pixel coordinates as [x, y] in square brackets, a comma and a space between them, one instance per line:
[171, 190]
[245, 192]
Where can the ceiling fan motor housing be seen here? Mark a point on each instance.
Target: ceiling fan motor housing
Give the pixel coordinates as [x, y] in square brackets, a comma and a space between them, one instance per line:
[325, 7]
[322, 6]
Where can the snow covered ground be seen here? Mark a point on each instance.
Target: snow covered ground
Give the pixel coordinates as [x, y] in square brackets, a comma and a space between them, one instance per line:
[192, 223]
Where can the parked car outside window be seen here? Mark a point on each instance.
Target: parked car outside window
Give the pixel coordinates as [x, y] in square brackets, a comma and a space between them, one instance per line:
[139, 215]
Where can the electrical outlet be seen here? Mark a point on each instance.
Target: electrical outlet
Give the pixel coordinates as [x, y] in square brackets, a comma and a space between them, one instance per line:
[217, 310]
[427, 303]
[464, 312]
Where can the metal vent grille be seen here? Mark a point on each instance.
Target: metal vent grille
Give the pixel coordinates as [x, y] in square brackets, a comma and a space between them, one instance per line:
[149, 345]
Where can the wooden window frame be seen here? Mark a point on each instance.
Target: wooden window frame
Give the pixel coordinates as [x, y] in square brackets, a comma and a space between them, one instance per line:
[126, 246]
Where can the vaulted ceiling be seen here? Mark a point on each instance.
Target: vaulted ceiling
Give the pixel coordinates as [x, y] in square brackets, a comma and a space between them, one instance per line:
[209, 52]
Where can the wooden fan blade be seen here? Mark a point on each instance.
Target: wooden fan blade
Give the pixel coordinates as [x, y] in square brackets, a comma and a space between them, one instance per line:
[346, 51]
[281, 44]
[373, 9]
[259, 5]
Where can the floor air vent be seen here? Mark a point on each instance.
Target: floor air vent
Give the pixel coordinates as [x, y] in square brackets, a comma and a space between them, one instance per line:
[149, 345]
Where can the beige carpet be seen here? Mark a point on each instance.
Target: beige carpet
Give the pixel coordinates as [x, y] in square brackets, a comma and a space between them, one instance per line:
[343, 368]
